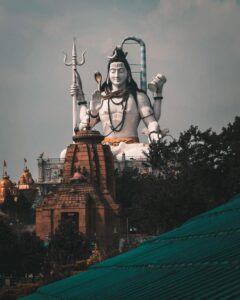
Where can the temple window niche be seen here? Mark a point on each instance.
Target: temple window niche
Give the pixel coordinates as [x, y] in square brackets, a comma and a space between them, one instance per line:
[72, 217]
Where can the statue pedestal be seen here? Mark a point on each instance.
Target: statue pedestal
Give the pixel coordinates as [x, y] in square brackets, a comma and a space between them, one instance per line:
[130, 151]
[88, 136]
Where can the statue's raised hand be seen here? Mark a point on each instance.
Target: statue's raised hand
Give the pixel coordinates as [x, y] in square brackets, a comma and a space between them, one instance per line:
[95, 103]
[160, 83]
[156, 85]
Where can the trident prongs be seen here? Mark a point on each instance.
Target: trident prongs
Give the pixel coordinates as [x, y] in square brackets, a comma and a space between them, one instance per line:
[74, 62]
[83, 59]
[65, 60]
[76, 87]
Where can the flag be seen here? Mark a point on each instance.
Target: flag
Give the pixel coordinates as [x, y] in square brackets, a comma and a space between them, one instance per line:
[25, 160]
[5, 163]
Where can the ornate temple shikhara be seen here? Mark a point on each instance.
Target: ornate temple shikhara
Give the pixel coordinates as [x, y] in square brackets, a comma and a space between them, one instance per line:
[86, 194]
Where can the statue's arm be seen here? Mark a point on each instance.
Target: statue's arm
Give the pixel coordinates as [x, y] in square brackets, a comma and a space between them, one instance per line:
[157, 106]
[92, 121]
[147, 115]
[157, 96]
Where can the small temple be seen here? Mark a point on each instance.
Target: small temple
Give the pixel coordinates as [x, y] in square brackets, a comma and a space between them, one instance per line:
[86, 194]
[25, 181]
[25, 186]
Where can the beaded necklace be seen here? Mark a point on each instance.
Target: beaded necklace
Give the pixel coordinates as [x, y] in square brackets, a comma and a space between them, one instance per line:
[124, 102]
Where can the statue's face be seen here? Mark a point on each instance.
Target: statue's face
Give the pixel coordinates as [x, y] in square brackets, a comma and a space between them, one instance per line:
[118, 74]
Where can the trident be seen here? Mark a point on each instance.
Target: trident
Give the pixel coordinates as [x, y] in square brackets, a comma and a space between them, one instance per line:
[76, 88]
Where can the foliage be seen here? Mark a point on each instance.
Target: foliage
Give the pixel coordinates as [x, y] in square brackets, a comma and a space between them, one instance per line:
[66, 246]
[20, 210]
[20, 254]
[190, 175]
[9, 248]
[32, 252]
[126, 186]
[229, 163]
[24, 210]
[9, 205]
[95, 257]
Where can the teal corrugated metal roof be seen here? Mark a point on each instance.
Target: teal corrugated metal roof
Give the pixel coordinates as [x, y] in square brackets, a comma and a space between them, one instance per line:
[199, 260]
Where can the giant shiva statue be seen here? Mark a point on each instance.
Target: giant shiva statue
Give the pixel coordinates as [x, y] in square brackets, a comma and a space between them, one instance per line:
[119, 105]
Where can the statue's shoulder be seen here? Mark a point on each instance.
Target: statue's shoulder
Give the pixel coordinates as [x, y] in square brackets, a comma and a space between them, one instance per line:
[141, 94]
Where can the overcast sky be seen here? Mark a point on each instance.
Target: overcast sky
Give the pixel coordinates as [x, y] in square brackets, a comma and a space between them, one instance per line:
[196, 44]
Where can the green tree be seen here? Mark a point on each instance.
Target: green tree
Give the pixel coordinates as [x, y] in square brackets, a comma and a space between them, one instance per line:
[20, 254]
[127, 186]
[229, 162]
[197, 172]
[191, 175]
[9, 250]
[9, 205]
[32, 252]
[66, 246]
[24, 211]
[153, 205]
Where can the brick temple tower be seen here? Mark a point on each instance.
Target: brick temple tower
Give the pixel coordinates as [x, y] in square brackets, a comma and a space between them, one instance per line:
[87, 192]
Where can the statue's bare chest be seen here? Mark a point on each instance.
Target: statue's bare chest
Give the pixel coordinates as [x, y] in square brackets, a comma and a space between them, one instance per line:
[117, 106]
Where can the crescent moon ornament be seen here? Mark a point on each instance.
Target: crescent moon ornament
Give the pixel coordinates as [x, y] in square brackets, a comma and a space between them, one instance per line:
[114, 55]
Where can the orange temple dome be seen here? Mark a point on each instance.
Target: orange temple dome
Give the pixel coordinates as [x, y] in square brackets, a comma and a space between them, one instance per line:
[26, 178]
[5, 185]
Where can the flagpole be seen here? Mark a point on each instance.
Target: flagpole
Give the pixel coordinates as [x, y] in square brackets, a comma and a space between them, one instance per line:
[4, 166]
[25, 162]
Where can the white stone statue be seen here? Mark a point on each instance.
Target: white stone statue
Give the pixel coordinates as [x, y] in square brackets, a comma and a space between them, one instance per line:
[120, 106]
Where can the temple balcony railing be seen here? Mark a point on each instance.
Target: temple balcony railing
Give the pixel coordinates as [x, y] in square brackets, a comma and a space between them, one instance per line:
[139, 163]
[50, 170]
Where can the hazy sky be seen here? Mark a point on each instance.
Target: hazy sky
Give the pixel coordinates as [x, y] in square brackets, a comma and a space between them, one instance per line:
[195, 43]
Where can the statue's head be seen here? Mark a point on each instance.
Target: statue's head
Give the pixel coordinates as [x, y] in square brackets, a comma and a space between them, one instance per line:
[119, 56]
[118, 60]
